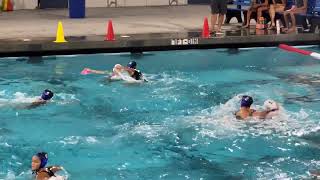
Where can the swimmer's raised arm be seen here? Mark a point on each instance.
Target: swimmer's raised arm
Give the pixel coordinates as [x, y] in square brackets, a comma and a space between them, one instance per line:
[55, 169]
[42, 176]
[261, 114]
[270, 106]
[98, 72]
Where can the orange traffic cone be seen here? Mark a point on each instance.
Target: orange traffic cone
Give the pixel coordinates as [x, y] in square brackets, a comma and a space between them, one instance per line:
[9, 5]
[110, 34]
[205, 30]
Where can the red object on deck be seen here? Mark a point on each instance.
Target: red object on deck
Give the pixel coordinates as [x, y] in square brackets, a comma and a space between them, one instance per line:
[110, 34]
[205, 30]
[293, 49]
[9, 6]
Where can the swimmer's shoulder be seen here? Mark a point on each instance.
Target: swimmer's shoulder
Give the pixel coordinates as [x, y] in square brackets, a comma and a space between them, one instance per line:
[36, 103]
[54, 169]
[238, 115]
[242, 116]
[260, 114]
[48, 172]
[252, 111]
[42, 175]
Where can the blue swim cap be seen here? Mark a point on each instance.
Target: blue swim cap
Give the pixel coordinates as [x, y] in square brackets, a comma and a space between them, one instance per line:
[132, 64]
[43, 156]
[47, 95]
[246, 101]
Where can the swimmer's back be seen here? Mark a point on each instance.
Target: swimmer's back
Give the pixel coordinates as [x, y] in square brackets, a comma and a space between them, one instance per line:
[243, 116]
[137, 75]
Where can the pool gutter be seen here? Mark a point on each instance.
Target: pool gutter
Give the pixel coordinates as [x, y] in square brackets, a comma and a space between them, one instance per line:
[147, 42]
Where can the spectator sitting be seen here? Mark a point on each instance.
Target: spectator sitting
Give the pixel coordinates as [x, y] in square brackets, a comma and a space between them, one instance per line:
[218, 8]
[277, 6]
[300, 7]
[257, 6]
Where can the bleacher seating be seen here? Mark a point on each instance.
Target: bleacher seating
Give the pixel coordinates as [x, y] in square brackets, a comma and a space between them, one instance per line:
[310, 14]
[313, 12]
[315, 18]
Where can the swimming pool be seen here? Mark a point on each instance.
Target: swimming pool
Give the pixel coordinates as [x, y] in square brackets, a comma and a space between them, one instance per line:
[179, 125]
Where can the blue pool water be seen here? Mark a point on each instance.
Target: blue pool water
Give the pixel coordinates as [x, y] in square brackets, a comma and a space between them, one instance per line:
[179, 125]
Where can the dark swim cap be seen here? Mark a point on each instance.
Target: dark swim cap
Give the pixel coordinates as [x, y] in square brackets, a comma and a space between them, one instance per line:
[43, 156]
[132, 64]
[47, 95]
[246, 101]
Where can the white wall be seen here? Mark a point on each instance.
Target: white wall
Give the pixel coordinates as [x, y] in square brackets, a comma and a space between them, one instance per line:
[25, 4]
[32, 4]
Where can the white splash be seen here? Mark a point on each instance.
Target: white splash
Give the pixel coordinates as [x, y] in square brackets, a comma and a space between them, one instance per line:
[148, 131]
[74, 140]
[220, 122]
[64, 98]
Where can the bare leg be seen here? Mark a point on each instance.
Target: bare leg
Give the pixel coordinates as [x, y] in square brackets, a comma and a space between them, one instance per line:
[286, 20]
[293, 21]
[213, 21]
[38, 4]
[272, 13]
[249, 12]
[260, 10]
[220, 21]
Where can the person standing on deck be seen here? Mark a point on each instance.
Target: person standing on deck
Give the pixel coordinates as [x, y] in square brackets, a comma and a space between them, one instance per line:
[218, 11]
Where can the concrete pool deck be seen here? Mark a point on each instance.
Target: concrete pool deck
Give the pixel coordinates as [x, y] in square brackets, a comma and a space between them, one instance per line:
[31, 32]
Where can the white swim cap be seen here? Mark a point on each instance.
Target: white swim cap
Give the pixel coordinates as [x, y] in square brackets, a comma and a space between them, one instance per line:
[117, 66]
[270, 104]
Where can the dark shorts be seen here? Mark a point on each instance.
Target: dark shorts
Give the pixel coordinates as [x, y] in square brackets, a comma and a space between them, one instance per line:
[219, 6]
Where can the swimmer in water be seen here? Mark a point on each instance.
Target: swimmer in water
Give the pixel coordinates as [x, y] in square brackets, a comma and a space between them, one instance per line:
[43, 99]
[246, 112]
[118, 69]
[39, 169]
[315, 174]
[115, 75]
[116, 72]
[97, 71]
[133, 72]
